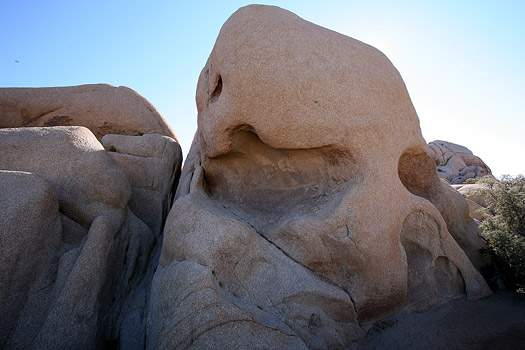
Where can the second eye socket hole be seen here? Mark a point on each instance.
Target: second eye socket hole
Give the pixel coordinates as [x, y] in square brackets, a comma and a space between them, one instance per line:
[217, 91]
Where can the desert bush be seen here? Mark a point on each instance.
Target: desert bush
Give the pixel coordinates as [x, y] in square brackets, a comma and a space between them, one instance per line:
[472, 180]
[504, 229]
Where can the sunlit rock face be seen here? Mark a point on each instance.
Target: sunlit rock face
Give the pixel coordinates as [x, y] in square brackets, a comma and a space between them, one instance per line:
[308, 206]
[102, 108]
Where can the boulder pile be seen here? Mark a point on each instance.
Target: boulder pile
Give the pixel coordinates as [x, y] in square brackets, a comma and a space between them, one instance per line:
[80, 225]
[307, 210]
[456, 163]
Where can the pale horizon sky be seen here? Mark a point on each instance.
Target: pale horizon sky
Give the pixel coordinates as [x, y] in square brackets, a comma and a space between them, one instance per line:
[462, 62]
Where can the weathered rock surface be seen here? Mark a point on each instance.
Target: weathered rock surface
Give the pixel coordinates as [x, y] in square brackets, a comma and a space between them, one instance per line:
[474, 199]
[472, 192]
[102, 108]
[308, 206]
[456, 212]
[77, 166]
[152, 164]
[76, 262]
[456, 163]
[30, 233]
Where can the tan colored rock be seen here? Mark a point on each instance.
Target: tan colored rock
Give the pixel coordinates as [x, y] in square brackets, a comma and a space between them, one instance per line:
[74, 257]
[77, 166]
[79, 295]
[152, 164]
[474, 210]
[472, 192]
[456, 163]
[218, 315]
[307, 194]
[456, 212]
[102, 108]
[475, 199]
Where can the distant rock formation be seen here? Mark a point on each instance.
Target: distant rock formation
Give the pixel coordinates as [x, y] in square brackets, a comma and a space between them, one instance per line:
[308, 206]
[102, 108]
[456, 163]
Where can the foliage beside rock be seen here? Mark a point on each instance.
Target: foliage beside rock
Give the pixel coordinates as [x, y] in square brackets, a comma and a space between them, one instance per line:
[504, 229]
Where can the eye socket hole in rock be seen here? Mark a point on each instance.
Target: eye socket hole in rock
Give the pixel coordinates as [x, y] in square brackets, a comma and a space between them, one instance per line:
[217, 91]
[417, 172]
[254, 177]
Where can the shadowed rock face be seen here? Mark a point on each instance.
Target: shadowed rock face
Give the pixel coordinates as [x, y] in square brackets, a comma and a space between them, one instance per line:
[76, 263]
[85, 249]
[152, 164]
[308, 206]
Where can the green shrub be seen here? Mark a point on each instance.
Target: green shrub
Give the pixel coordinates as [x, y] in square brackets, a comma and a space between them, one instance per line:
[504, 229]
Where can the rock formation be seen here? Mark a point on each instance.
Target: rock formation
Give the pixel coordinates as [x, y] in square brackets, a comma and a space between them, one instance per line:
[102, 108]
[76, 261]
[456, 163]
[148, 162]
[308, 206]
[474, 198]
[30, 235]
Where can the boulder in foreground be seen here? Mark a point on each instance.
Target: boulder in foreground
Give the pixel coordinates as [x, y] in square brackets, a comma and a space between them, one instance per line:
[308, 206]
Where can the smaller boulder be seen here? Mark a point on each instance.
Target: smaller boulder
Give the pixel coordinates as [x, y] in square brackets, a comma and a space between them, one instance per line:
[87, 181]
[152, 164]
[474, 197]
[473, 192]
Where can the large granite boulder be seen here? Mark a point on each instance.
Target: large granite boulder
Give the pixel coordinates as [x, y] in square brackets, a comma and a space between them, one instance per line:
[76, 261]
[308, 206]
[102, 108]
[456, 163]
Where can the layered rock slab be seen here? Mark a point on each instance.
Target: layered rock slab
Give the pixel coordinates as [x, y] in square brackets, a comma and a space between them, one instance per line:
[307, 195]
[102, 108]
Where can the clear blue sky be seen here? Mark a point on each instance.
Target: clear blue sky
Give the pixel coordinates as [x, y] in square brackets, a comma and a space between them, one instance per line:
[463, 61]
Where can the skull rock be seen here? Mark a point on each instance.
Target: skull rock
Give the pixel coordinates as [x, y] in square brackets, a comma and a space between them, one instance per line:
[308, 201]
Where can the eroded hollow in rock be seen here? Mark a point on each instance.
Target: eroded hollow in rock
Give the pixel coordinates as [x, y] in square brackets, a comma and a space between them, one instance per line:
[417, 172]
[217, 91]
[431, 279]
[258, 181]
